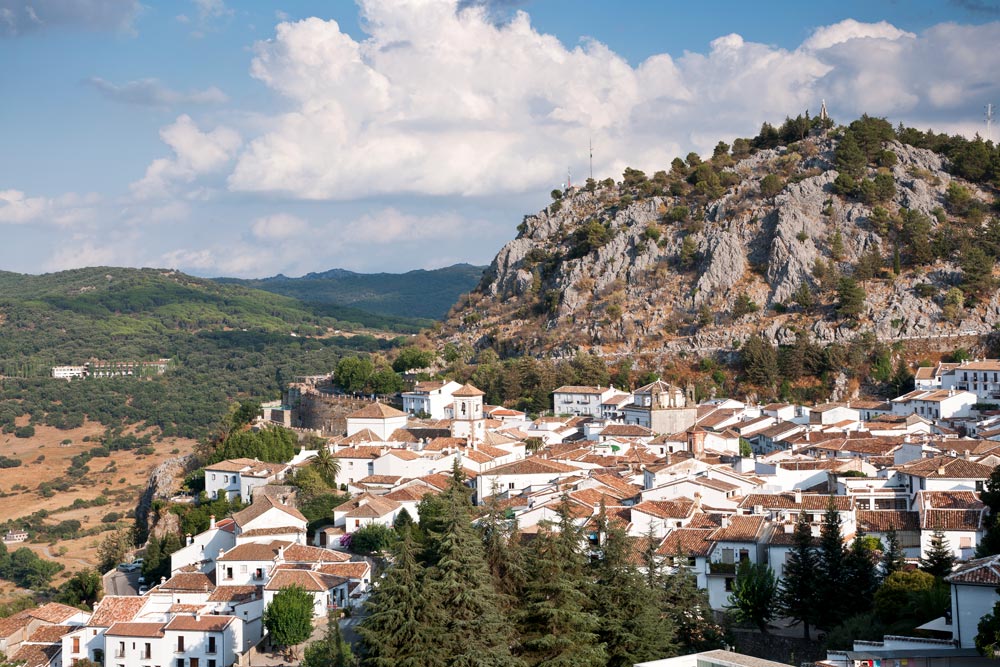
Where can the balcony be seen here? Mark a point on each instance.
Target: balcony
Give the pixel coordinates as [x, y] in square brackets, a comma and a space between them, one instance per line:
[721, 568]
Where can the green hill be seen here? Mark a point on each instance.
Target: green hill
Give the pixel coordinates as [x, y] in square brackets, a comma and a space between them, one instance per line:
[226, 342]
[416, 294]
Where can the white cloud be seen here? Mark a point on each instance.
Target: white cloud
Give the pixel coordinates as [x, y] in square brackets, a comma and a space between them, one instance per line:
[443, 102]
[278, 226]
[18, 17]
[391, 226]
[16, 208]
[196, 154]
[151, 92]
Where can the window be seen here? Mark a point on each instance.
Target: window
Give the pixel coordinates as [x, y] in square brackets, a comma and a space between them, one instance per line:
[147, 651]
[258, 573]
[357, 523]
[965, 542]
[76, 644]
[727, 556]
[180, 645]
[121, 650]
[229, 573]
[729, 584]
[243, 569]
[211, 644]
[211, 663]
[213, 476]
[180, 662]
[510, 485]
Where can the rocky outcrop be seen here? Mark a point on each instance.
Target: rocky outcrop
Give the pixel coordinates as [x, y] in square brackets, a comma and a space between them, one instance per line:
[163, 483]
[614, 270]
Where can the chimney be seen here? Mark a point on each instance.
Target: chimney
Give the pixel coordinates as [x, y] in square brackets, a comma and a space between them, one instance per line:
[697, 501]
[222, 552]
[789, 528]
[798, 496]
[739, 511]
[968, 455]
[940, 470]
[197, 616]
[188, 539]
[211, 522]
[163, 580]
[758, 509]
[725, 521]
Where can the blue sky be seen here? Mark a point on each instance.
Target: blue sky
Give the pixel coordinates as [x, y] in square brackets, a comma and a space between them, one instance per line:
[251, 138]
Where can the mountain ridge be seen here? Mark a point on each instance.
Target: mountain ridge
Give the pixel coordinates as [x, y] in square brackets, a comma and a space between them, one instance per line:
[704, 256]
[426, 294]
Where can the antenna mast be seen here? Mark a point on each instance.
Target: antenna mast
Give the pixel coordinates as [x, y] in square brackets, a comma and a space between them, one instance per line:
[989, 122]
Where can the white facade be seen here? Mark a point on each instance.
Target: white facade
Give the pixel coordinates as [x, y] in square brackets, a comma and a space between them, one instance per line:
[68, 372]
[429, 398]
[582, 400]
[935, 404]
[979, 377]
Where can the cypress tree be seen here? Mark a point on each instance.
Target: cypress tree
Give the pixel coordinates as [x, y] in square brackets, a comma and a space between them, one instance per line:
[798, 598]
[632, 628]
[832, 567]
[395, 633]
[862, 576]
[464, 609]
[558, 626]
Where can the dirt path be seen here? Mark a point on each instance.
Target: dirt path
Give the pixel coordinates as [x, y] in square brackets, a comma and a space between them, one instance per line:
[52, 556]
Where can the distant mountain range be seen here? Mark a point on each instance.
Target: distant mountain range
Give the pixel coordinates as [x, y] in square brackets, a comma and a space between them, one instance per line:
[414, 294]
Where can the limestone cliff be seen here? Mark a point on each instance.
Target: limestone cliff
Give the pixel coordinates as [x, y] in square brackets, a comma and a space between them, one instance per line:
[660, 264]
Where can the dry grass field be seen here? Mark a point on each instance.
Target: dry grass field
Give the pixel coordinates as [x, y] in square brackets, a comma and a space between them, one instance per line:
[121, 478]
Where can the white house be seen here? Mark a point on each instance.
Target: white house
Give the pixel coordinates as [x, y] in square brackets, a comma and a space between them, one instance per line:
[582, 400]
[237, 478]
[328, 590]
[974, 588]
[959, 515]
[513, 477]
[201, 549]
[739, 538]
[940, 473]
[380, 419]
[430, 398]
[981, 377]
[267, 519]
[363, 510]
[935, 403]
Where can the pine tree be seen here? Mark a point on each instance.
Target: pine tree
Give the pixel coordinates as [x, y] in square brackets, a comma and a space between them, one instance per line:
[832, 568]
[939, 560]
[395, 632]
[502, 550]
[464, 609]
[632, 627]
[558, 626]
[849, 158]
[862, 576]
[892, 556]
[798, 598]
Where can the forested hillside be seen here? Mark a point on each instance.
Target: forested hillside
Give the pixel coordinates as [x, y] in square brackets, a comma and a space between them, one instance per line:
[420, 294]
[225, 341]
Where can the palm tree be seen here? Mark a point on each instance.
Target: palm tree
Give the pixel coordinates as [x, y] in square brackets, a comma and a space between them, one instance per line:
[328, 465]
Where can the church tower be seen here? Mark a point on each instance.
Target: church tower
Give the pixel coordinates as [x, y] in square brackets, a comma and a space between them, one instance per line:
[469, 421]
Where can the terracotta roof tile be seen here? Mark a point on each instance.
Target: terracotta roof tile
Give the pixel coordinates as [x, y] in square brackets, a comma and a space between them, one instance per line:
[979, 571]
[200, 623]
[136, 630]
[188, 581]
[740, 529]
[116, 609]
[952, 519]
[48, 634]
[945, 467]
[376, 411]
[688, 541]
[881, 521]
[234, 593]
[35, 655]
[253, 551]
[812, 502]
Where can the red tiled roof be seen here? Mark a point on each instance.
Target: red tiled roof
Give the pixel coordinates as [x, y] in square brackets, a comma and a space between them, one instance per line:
[200, 623]
[136, 630]
[812, 502]
[979, 571]
[881, 521]
[687, 541]
[740, 529]
[945, 467]
[376, 411]
[116, 609]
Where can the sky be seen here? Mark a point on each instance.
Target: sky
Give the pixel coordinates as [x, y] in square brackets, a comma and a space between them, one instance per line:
[249, 138]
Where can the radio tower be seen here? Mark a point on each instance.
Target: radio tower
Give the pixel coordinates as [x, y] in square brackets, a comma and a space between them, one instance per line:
[989, 122]
[591, 159]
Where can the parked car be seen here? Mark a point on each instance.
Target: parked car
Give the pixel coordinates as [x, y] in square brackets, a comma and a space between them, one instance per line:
[142, 579]
[143, 589]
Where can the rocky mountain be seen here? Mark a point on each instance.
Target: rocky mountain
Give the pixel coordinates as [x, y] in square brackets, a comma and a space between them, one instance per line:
[761, 238]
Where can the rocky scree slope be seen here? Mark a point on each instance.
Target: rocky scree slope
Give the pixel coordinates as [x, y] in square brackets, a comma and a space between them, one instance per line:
[699, 268]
